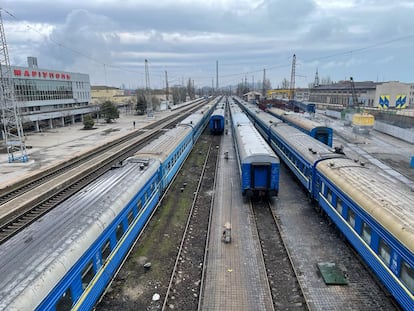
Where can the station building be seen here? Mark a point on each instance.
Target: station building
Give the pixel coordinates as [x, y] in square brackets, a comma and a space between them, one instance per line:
[51, 98]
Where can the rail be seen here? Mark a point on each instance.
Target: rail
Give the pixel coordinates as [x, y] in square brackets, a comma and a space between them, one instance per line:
[286, 288]
[48, 192]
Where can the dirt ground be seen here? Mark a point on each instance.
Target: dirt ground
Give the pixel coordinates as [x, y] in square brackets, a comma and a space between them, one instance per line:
[135, 287]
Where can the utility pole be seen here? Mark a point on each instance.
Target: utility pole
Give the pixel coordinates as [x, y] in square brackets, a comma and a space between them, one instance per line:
[147, 91]
[217, 83]
[12, 124]
[355, 103]
[264, 84]
[166, 85]
[316, 82]
[292, 79]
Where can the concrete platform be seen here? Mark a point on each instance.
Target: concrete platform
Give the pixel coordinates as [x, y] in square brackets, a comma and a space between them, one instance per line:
[235, 274]
[386, 152]
[311, 241]
[60, 144]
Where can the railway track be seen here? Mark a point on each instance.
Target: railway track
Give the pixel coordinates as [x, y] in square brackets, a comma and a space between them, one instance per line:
[282, 277]
[12, 191]
[184, 288]
[31, 200]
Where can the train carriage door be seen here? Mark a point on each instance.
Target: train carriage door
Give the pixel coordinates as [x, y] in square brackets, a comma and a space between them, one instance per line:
[261, 176]
[216, 124]
[322, 136]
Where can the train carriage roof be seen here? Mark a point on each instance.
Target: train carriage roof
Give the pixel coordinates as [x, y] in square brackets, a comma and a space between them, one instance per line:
[218, 113]
[389, 202]
[277, 111]
[298, 119]
[196, 116]
[303, 122]
[252, 146]
[310, 148]
[163, 146]
[267, 118]
[33, 261]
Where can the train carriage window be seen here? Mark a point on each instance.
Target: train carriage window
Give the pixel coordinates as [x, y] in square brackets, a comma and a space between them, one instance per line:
[130, 217]
[366, 233]
[307, 172]
[407, 276]
[87, 274]
[329, 195]
[323, 188]
[119, 231]
[351, 218]
[106, 250]
[339, 204]
[65, 302]
[384, 252]
[139, 205]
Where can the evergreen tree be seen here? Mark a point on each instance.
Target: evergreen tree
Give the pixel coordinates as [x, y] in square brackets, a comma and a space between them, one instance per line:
[88, 122]
[109, 111]
[141, 107]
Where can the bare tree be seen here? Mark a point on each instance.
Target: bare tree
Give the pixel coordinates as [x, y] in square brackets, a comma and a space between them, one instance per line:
[190, 89]
[242, 88]
[285, 83]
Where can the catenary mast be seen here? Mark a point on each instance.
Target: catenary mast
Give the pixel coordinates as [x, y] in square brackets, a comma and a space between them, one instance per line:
[292, 79]
[148, 91]
[12, 124]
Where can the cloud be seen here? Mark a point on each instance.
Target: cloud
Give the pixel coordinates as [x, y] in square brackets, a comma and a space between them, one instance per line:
[84, 32]
[110, 40]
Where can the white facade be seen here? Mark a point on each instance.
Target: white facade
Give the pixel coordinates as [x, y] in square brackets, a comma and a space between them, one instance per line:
[252, 96]
[394, 94]
[51, 98]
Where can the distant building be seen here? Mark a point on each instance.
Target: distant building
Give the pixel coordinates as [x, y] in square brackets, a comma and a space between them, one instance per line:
[252, 96]
[120, 97]
[394, 95]
[301, 94]
[341, 93]
[381, 95]
[127, 98]
[50, 98]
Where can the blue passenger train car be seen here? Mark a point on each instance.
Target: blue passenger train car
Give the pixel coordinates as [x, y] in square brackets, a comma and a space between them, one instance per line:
[217, 120]
[378, 221]
[258, 164]
[66, 259]
[305, 106]
[321, 132]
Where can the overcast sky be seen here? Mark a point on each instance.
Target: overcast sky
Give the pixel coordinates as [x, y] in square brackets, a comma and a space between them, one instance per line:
[110, 40]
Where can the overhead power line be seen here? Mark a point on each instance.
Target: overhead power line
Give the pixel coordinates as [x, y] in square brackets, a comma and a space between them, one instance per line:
[282, 64]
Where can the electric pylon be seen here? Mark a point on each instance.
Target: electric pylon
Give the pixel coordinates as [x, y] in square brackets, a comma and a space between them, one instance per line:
[12, 124]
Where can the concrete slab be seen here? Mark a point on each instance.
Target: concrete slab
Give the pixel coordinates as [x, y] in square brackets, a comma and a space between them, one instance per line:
[235, 276]
[60, 144]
